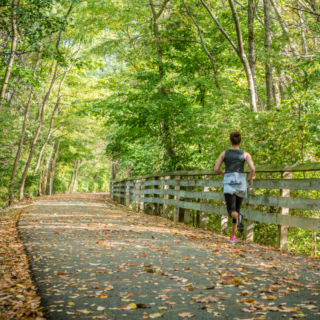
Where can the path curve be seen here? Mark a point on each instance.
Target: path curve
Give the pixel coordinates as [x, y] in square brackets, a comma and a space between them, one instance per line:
[92, 258]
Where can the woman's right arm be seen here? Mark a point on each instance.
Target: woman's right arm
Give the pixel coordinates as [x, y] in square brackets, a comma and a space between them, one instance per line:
[251, 166]
[219, 163]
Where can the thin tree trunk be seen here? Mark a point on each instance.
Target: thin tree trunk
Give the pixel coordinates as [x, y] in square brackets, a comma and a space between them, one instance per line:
[75, 177]
[74, 169]
[282, 77]
[48, 135]
[41, 182]
[24, 127]
[165, 127]
[243, 58]
[252, 51]
[267, 48]
[45, 178]
[35, 138]
[276, 89]
[13, 51]
[114, 171]
[213, 63]
[90, 174]
[285, 29]
[55, 110]
[303, 34]
[239, 50]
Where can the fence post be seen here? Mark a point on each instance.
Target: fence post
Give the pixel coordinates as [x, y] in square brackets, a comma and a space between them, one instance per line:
[187, 217]
[204, 215]
[123, 193]
[146, 204]
[137, 195]
[176, 210]
[249, 224]
[165, 213]
[283, 230]
[142, 204]
[115, 198]
[127, 200]
[154, 208]
[110, 189]
[132, 202]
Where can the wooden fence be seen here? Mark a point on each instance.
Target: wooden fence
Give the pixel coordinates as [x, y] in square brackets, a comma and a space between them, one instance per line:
[155, 193]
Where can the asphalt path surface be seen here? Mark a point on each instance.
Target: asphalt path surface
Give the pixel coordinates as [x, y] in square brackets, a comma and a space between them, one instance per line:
[92, 258]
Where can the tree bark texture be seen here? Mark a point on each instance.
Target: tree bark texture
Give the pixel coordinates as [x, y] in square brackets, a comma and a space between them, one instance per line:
[267, 49]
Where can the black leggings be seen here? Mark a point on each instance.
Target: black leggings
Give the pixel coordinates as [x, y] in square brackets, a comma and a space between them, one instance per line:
[233, 204]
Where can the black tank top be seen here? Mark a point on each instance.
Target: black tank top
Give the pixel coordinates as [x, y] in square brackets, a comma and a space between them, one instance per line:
[234, 160]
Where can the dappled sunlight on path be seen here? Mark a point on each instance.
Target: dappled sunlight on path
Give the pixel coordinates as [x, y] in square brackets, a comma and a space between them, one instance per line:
[94, 259]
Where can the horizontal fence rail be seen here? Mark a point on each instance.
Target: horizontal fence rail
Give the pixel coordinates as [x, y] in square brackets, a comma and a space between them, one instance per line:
[193, 190]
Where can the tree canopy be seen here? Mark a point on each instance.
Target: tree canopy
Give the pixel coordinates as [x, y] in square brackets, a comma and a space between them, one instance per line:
[92, 90]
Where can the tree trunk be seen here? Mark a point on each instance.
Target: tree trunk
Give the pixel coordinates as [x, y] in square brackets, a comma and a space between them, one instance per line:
[285, 29]
[24, 127]
[165, 127]
[114, 171]
[90, 173]
[267, 48]
[251, 40]
[243, 57]
[213, 63]
[75, 177]
[13, 51]
[239, 50]
[35, 138]
[303, 34]
[276, 90]
[48, 135]
[45, 178]
[55, 110]
[74, 169]
[41, 182]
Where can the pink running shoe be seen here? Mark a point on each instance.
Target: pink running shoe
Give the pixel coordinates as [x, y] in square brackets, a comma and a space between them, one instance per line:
[232, 239]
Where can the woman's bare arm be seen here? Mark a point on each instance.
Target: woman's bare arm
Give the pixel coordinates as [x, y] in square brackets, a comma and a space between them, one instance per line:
[219, 163]
[251, 166]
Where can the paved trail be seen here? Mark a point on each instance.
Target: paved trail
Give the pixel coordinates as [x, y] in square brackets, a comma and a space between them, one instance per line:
[94, 259]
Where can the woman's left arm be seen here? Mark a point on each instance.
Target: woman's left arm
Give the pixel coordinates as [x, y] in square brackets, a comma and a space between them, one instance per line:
[219, 163]
[251, 166]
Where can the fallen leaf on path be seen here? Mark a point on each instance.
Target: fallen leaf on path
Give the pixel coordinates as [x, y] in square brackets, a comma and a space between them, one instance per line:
[186, 315]
[156, 315]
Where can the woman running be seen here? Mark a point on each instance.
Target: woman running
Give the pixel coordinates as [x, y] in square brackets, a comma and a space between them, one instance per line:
[234, 180]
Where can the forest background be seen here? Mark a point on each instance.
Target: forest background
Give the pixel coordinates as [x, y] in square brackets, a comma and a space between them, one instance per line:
[100, 90]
